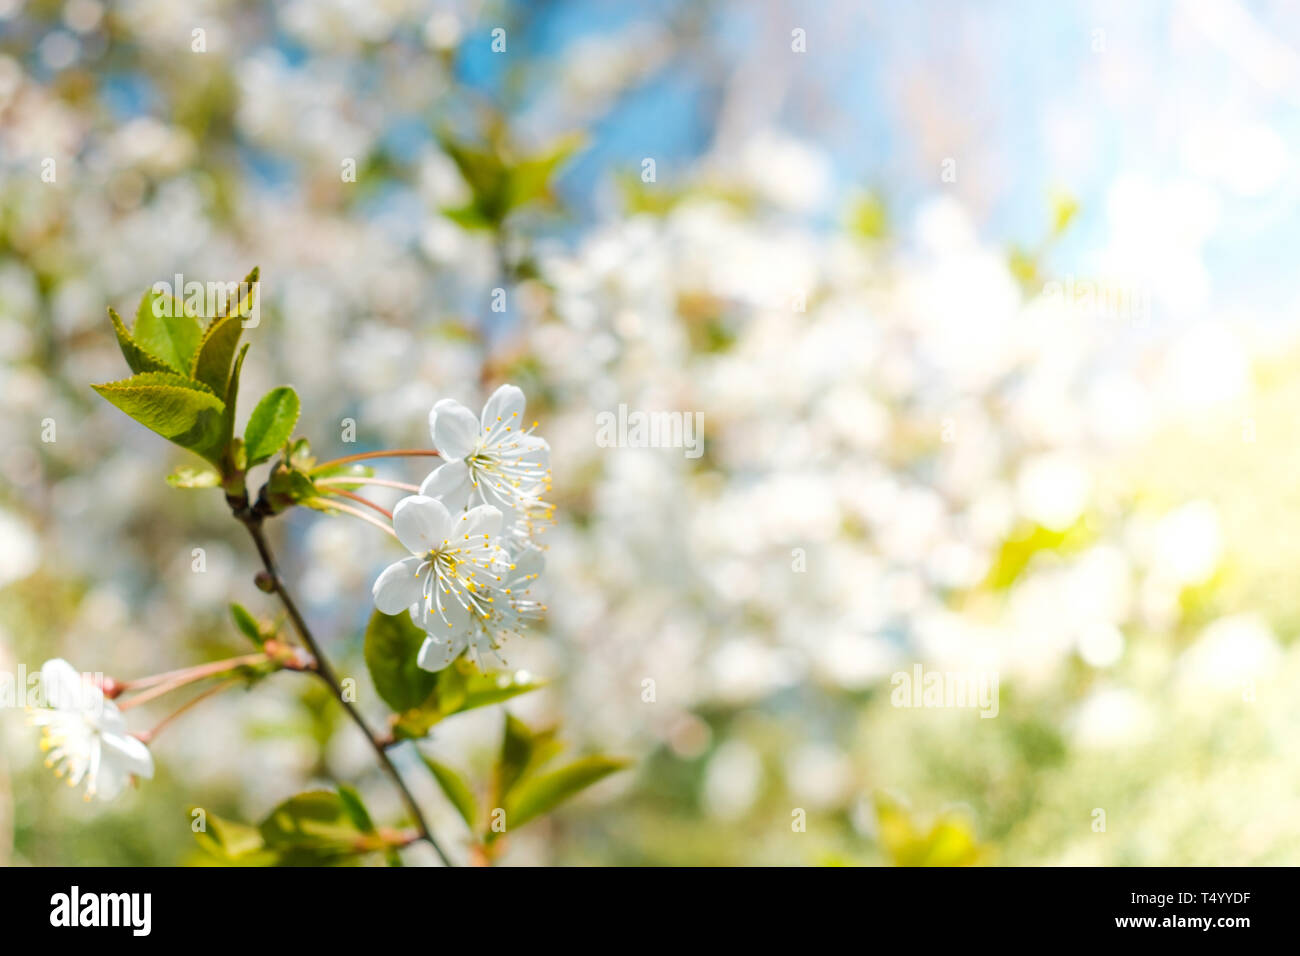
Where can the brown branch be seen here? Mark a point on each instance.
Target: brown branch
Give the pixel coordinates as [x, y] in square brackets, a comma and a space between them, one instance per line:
[252, 519]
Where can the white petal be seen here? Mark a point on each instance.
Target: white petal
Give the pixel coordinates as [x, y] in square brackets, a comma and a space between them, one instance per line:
[450, 483]
[480, 520]
[110, 719]
[127, 753]
[452, 619]
[109, 779]
[505, 407]
[537, 453]
[397, 587]
[454, 428]
[421, 523]
[436, 654]
[489, 491]
[528, 448]
[528, 566]
[92, 767]
[487, 653]
[536, 450]
[63, 688]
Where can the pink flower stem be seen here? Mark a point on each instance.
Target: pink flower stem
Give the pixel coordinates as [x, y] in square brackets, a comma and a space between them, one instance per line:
[341, 480]
[187, 674]
[148, 735]
[356, 513]
[366, 455]
[364, 501]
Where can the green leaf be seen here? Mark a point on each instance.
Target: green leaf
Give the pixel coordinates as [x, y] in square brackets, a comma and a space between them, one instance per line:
[449, 693]
[948, 841]
[247, 624]
[516, 751]
[300, 456]
[392, 644]
[483, 690]
[1064, 208]
[229, 840]
[1028, 540]
[868, 217]
[271, 423]
[546, 746]
[544, 793]
[216, 350]
[414, 723]
[190, 476]
[1023, 265]
[455, 787]
[530, 179]
[461, 687]
[355, 809]
[136, 357]
[288, 487]
[468, 216]
[244, 307]
[501, 183]
[165, 329]
[167, 378]
[485, 174]
[180, 410]
[232, 397]
[211, 364]
[318, 819]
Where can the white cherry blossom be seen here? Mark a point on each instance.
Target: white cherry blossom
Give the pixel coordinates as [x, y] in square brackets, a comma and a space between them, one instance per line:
[493, 459]
[84, 735]
[512, 609]
[459, 584]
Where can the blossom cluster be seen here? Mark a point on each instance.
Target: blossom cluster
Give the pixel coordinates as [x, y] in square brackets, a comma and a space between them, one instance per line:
[471, 533]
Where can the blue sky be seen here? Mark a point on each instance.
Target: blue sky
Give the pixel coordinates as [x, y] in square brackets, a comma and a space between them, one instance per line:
[1027, 97]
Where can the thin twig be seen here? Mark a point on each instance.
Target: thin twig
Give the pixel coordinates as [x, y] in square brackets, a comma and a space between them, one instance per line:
[252, 518]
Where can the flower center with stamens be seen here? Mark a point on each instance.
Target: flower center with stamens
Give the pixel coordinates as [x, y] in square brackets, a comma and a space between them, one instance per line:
[459, 578]
[505, 476]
